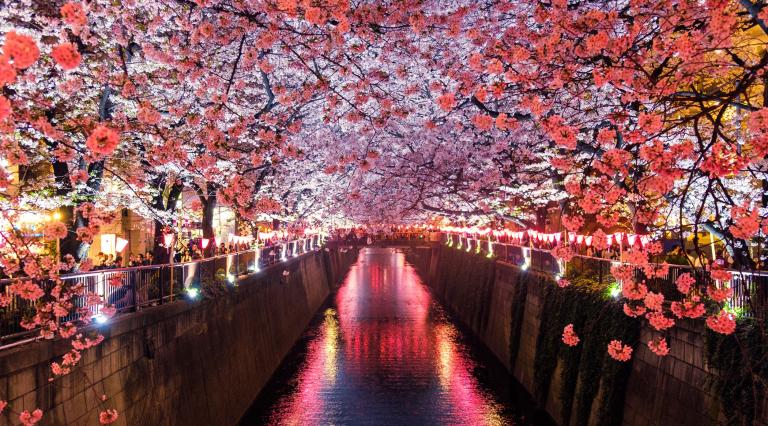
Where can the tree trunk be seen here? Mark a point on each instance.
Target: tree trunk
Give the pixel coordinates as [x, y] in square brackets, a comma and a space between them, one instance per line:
[209, 207]
[71, 244]
[160, 253]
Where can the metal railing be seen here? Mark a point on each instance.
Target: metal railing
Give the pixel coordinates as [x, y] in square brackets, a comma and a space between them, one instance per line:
[750, 288]
[134, 288]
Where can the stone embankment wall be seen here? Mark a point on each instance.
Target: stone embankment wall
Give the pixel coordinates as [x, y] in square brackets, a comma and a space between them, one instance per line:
[184, 363]
[487, 296]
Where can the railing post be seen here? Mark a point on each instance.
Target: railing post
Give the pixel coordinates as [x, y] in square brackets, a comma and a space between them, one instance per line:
[600, 272]
[160, 284]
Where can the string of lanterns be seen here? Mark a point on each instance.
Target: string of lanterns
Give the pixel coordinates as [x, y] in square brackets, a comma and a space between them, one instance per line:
[617, 237]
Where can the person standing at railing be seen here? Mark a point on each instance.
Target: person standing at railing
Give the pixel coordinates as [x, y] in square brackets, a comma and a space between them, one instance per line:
[196, 253]
[124, 298]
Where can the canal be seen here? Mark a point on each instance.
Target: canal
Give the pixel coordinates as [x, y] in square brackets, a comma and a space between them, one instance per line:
[384, 352]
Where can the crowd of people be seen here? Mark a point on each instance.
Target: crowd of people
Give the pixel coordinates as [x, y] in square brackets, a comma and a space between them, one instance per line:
[185, 252]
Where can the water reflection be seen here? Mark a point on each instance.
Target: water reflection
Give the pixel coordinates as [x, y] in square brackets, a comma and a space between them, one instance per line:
[385, 353]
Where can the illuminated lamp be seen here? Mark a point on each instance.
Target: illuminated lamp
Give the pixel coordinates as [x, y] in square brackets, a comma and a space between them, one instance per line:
[120, 244]
[204, 243]
[168, 239]
[217, 240]
[588, 240]
[644, 239]
[100, 318]
[571, 238]
[579, 239]
[609, 240]
[631, 238]
[558, 237]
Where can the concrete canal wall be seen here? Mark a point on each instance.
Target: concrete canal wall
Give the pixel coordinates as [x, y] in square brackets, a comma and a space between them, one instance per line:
[184, 363]
[503, 306]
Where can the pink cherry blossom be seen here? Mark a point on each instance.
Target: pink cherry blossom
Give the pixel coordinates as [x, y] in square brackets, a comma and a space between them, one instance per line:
[659, 346]
[569, 336]
[108, 416]
[659, 321]
[103, 140]
[723, 322]
[619, 351]
[66, 55]
[27, 419]
[684, 282]
[20, 49]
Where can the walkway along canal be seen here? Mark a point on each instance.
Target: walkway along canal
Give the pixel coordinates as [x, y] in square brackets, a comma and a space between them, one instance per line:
[383, 351]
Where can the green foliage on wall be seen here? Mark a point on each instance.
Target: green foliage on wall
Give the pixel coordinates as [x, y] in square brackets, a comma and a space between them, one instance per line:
[587, 367]
[741, 359]
[517, 315]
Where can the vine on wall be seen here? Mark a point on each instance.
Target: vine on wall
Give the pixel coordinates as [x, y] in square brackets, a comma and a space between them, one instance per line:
[516, 316]
[741, 361]
[586, 367]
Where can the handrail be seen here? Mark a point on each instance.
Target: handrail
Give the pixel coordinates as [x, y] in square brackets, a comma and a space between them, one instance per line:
[156, 265]
[676, 265]
[149, 285]
[750, 287]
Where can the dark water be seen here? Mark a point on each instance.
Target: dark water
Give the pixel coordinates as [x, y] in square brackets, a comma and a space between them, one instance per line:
[384, 352]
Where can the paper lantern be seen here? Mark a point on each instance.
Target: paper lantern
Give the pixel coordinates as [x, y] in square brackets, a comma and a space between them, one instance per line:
[645, 239]
[217, 240]
[120, 245]
[571, 238]
[579, 239]
[588, 240]
[608, 240]
[168, 239]
[558, 237]
[204, 243]
[619, 236]
[631, 238]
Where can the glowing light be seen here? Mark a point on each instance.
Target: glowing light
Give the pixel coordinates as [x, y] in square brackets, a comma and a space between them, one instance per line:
[614, 290]
[734, 310]
[100, 319]
[168, 239]
[205, 242]
[120, 245]
[193, 293]
[56, 216]
[231, 278]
